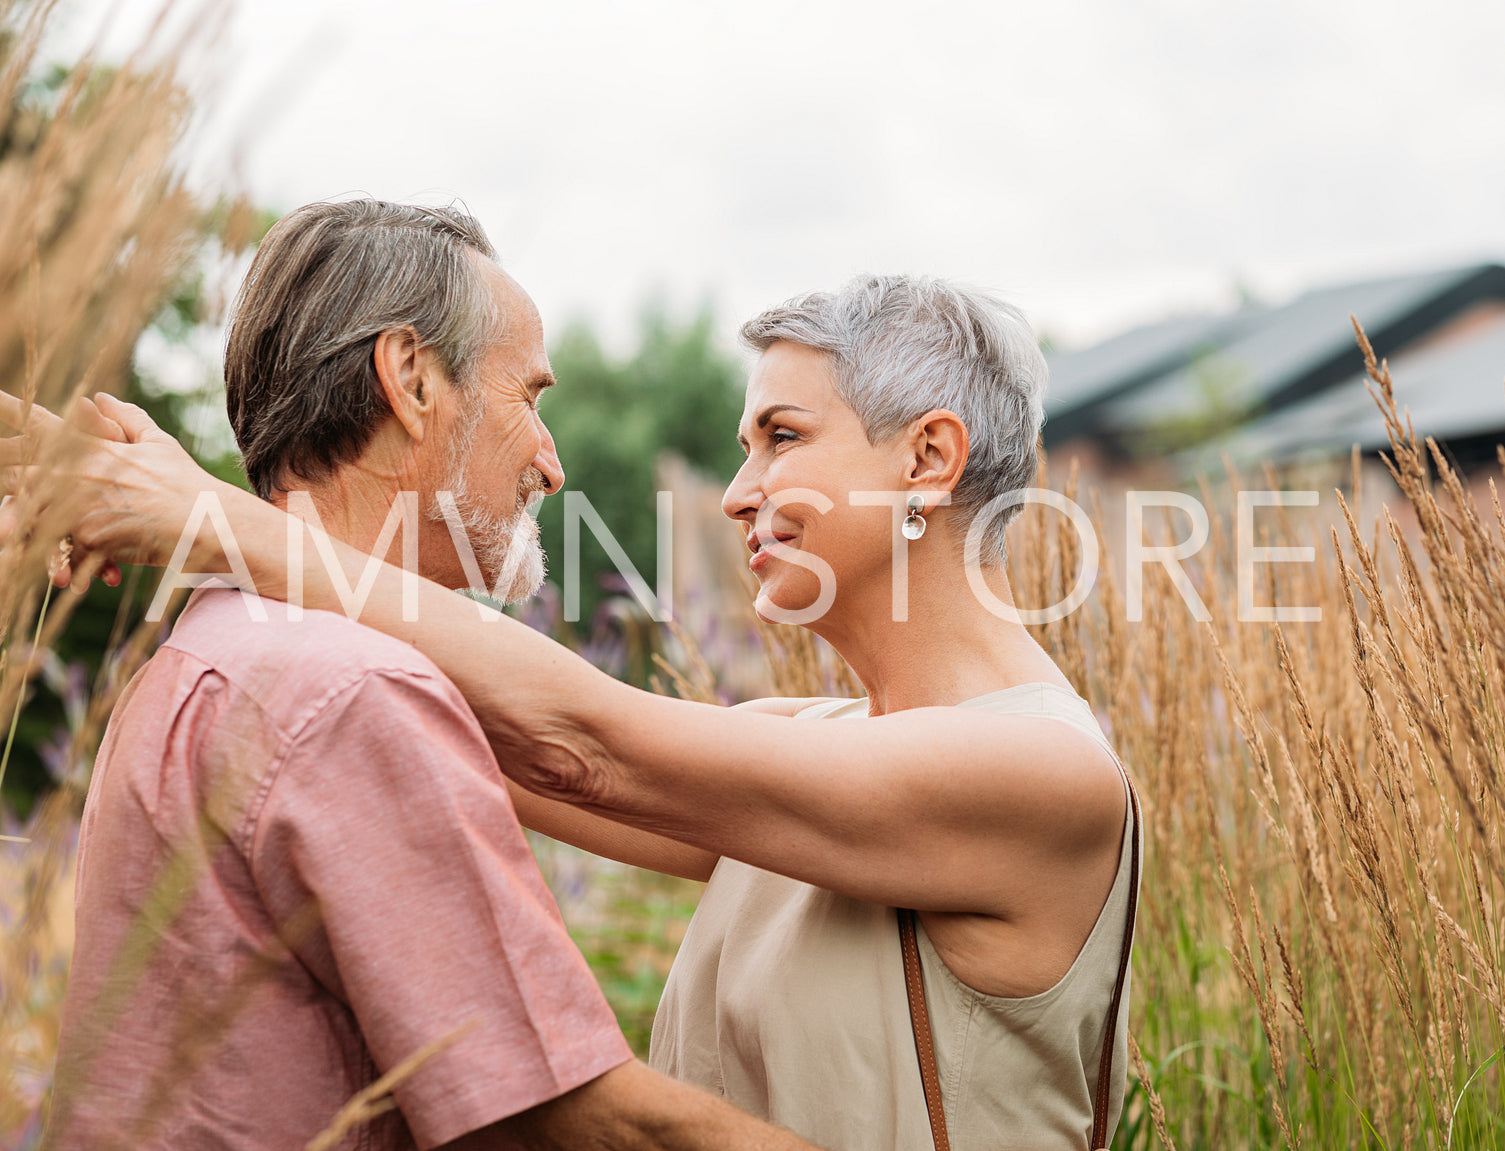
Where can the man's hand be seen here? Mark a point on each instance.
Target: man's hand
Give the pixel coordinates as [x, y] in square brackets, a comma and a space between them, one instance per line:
[633, 1108]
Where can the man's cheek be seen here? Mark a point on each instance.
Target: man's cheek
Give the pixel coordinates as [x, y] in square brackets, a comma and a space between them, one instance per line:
[519, 447]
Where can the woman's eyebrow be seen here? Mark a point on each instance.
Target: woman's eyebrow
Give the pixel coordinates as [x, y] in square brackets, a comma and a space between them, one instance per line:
[774, 409]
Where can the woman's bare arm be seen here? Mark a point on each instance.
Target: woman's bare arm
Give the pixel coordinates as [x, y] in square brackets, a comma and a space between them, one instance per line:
[939, 809]
[602, 836]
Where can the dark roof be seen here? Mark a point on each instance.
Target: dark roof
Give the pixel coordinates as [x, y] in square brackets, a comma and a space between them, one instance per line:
[1113, 366]
[1453, 392]
[1258, 360]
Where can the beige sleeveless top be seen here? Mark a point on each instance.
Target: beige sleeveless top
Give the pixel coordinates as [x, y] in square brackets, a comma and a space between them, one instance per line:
[789, 1000]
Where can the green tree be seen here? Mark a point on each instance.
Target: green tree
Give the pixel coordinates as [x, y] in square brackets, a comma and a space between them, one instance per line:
[612, 419]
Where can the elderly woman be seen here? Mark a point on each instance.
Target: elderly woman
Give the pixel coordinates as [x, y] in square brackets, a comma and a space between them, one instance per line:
[920, 903]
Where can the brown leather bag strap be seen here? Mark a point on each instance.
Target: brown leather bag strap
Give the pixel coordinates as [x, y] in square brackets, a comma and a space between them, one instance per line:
[1110, 1031]
[919, 1013]
[919, 1019]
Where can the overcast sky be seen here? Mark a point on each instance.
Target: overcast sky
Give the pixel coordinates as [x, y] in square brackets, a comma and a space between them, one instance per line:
[1100, 162]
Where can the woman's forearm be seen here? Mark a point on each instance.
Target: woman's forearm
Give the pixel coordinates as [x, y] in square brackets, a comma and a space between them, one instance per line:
[529, 692]
[906, 809]
[558, 726]
[603, 836]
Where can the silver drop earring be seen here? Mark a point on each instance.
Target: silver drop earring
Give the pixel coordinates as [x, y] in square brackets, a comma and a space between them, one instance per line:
[914, 523]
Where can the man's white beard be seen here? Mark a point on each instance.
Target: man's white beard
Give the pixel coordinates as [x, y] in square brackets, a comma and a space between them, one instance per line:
[506, 547]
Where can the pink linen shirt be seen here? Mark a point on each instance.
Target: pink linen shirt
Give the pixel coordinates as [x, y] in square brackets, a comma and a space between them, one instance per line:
[298, 865]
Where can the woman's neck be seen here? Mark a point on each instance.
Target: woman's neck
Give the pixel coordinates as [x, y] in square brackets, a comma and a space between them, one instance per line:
[951, 647]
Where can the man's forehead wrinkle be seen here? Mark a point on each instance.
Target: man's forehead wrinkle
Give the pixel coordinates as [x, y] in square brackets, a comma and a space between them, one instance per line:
[515, 329]
[519, 319]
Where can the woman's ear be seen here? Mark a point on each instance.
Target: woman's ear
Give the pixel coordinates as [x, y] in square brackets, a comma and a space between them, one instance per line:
[939, 445]
[409, 374]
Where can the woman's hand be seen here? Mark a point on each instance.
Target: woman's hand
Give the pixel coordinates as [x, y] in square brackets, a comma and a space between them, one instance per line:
[121, 486]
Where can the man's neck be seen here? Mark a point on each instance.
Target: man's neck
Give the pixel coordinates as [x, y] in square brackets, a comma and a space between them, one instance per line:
[352, 506]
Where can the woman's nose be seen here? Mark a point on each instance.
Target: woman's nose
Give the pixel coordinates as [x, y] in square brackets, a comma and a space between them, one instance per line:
[743, 496]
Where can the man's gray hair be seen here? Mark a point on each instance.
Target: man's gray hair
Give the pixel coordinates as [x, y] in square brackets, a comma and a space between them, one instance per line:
[901, 346]
[300, 379]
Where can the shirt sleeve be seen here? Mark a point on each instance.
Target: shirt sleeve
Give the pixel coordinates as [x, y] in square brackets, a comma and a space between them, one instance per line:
[389, 855]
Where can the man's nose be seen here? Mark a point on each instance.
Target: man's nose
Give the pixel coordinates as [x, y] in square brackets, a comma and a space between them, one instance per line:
[547, 460]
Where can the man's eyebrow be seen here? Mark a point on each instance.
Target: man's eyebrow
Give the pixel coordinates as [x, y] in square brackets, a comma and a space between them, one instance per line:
[544, 380]
[774, 409]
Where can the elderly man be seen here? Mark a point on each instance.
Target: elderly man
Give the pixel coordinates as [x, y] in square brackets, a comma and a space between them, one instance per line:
[299, 865]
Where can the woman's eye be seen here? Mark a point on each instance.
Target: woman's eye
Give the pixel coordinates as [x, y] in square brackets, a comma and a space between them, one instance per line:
[784, 436]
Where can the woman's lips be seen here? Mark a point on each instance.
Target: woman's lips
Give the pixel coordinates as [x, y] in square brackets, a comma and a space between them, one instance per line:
[763, 550]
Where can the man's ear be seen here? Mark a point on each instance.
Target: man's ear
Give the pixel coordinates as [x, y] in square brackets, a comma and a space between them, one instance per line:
[410, 374]
[938, 447]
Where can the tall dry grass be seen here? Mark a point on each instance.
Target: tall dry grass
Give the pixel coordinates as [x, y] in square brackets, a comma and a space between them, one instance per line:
[1319, 955]
[96, 227]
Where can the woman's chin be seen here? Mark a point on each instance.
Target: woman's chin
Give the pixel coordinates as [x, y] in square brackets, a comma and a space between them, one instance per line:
[776, 602]
[764, 609]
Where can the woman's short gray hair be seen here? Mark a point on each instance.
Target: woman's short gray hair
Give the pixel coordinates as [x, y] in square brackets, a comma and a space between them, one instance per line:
[901, 346]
